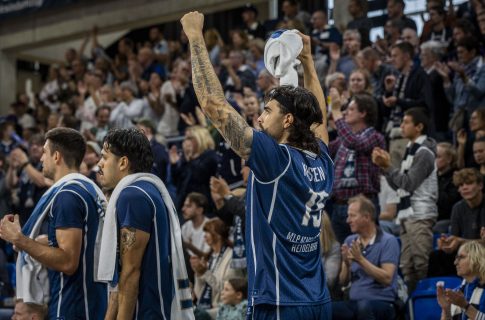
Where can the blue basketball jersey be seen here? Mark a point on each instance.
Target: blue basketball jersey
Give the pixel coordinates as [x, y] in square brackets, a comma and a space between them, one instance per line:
[286, 194]
[77, 296]
[140, 206]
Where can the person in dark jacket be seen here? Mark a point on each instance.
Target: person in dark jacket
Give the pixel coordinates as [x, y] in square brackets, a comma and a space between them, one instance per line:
[191, 171]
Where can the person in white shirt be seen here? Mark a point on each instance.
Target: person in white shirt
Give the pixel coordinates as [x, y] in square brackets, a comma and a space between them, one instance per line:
[192, 230]
[130, 108]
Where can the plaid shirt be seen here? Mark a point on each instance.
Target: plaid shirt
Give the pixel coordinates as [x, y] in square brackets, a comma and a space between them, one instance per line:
[366, 173]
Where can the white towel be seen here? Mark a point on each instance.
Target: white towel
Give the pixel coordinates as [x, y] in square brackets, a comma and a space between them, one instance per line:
[109, 241]
[32, 277]
[280, 56]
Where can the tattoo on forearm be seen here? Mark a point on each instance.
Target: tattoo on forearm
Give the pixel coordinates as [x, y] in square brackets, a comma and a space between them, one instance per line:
[235, 132]
[128, 239]
[212, 100]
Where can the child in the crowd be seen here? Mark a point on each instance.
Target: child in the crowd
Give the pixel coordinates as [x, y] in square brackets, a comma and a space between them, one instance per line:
[234, 300]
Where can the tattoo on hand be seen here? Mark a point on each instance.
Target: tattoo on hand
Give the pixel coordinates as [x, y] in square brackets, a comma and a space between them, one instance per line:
[128, 239]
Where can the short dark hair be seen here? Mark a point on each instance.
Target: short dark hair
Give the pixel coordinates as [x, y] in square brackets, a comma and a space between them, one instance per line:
[239, 285]
[405, 47]
[133, 144]
[304, 107]
[469, 43]
[366, 103]
[419, 117]
[198, 199]
[465, 25]
[103, 107]
[69, 143]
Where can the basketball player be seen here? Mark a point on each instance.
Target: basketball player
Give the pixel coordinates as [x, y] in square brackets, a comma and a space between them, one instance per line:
[70, 210]
[150, 278]
[291, 178]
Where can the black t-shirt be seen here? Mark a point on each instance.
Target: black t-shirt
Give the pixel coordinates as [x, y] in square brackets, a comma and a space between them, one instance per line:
[466, 222]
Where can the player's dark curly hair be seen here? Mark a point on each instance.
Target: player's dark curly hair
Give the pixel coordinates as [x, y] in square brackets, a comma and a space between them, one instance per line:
[133, 144]
[304, 107]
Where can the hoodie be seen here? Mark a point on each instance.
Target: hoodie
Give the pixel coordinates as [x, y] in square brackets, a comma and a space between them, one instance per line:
[421, 180]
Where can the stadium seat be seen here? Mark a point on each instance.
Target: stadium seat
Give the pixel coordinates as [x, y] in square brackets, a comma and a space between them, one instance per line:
[423, 304]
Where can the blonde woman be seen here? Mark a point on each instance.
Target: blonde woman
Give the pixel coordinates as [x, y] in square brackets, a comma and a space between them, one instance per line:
[468, 301]
[191, 170]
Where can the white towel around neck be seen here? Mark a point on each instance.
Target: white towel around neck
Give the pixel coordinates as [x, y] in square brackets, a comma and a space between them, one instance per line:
[109, 241]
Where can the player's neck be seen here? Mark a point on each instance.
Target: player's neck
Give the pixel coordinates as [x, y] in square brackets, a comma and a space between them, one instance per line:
[63, 171]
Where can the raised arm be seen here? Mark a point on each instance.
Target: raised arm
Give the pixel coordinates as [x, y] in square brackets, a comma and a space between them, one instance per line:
[313, 84]
[208, 89]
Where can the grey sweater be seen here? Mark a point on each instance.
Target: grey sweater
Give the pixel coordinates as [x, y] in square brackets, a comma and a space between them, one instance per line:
[421, 180]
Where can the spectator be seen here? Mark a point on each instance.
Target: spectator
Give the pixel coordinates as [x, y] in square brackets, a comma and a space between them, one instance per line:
[234, 297]
[266, 82]
[417, 187]
[88, 106]
[351, 47]
[28, 310]
[24, 174]
[354, 171]
[7, 142]
[172, 93]
[292, 11]
[128, 109]
[410, 36]
[193, 212]
[370, 262]
[439, 30]
[159, 46]
[49, 95]
[479, 154]
[395, 11]
[160, 155]
[466, 91]
[447, 192]
[239, 41]
[252, 27]
[323, 34]
[465, 140]
[468, 300]
[99, 131]
[331, 256]
[358, 10]
[388, 200]
[256, 55]
[467, 218]
[91, 159]
[24, 119]
[431, 53]
[149, 65]
[212, 270]
[236, 74]
[370, 60]
[410, 89]
[191, 172]
[215, 44]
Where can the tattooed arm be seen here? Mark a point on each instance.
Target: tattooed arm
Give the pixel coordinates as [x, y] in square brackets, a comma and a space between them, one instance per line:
[208, 89]
[132, 248]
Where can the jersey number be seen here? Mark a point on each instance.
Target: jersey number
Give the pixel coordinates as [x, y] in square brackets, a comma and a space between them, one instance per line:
[314, 207]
